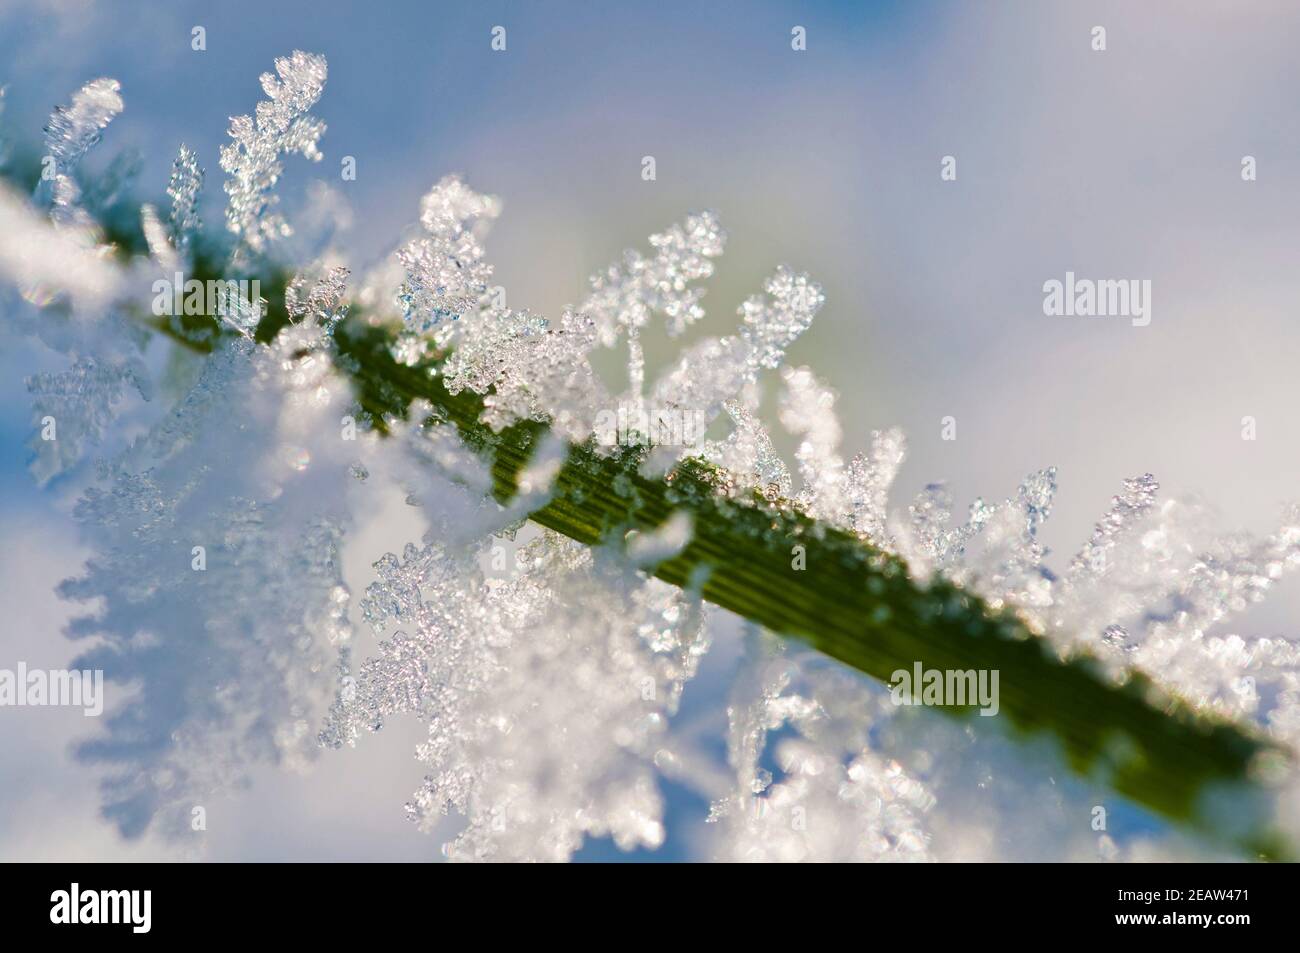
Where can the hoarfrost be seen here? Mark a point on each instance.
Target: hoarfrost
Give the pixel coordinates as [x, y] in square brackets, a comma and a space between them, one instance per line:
[576, 646]
[282, 125]
[548, 691]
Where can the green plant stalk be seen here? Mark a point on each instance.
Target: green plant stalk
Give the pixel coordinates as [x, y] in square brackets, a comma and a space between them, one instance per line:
[858, 604]
[853, 602]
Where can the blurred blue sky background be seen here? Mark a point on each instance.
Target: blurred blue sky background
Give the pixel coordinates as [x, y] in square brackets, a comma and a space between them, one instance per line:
[1122, 164]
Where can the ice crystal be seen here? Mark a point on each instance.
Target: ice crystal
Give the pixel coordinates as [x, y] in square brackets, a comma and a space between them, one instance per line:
[806, 413]
[446, 276]
[748, 454]
[71, 408]
[626, 295]
[251, 551]
[72, 131]
[528, 367]
[855, 495]
[539, 369]
[773, 323]
[575, 645]
[283, 125]
[244, 686]
[1126, 512]
[241, 313]
[63, 253]
[837, 798]
[1144, 590]
[869, 479]
[323, 304]
[938, 545]
[183, 189]
[57, 260]
[536, 370]
[75, 128]
[717, 369]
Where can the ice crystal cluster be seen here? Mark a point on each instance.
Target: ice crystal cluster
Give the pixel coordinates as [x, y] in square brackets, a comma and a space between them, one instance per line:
[224, 681]
[282, 125]
[548, 673]
[547, 695]
[72, 131]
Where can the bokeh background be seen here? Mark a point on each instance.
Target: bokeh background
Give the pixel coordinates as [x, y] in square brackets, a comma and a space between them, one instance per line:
[1120, 164]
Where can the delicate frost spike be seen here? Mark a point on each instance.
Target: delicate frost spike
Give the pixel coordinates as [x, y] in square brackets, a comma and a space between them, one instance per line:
[870, 478]
[323, 304]
[747, 452]
[253, 161]
[539, 370]
[941, 545]
[72, 131]
[446, 276]
[184, 187]
[1144, 590]
[807, 411]
[1126, 511]
[624, 296]
[1009, 565]
[930, 514]
[158, 241]
[80, 403]
[1036, 494]
[717, 369]
[773, 324]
